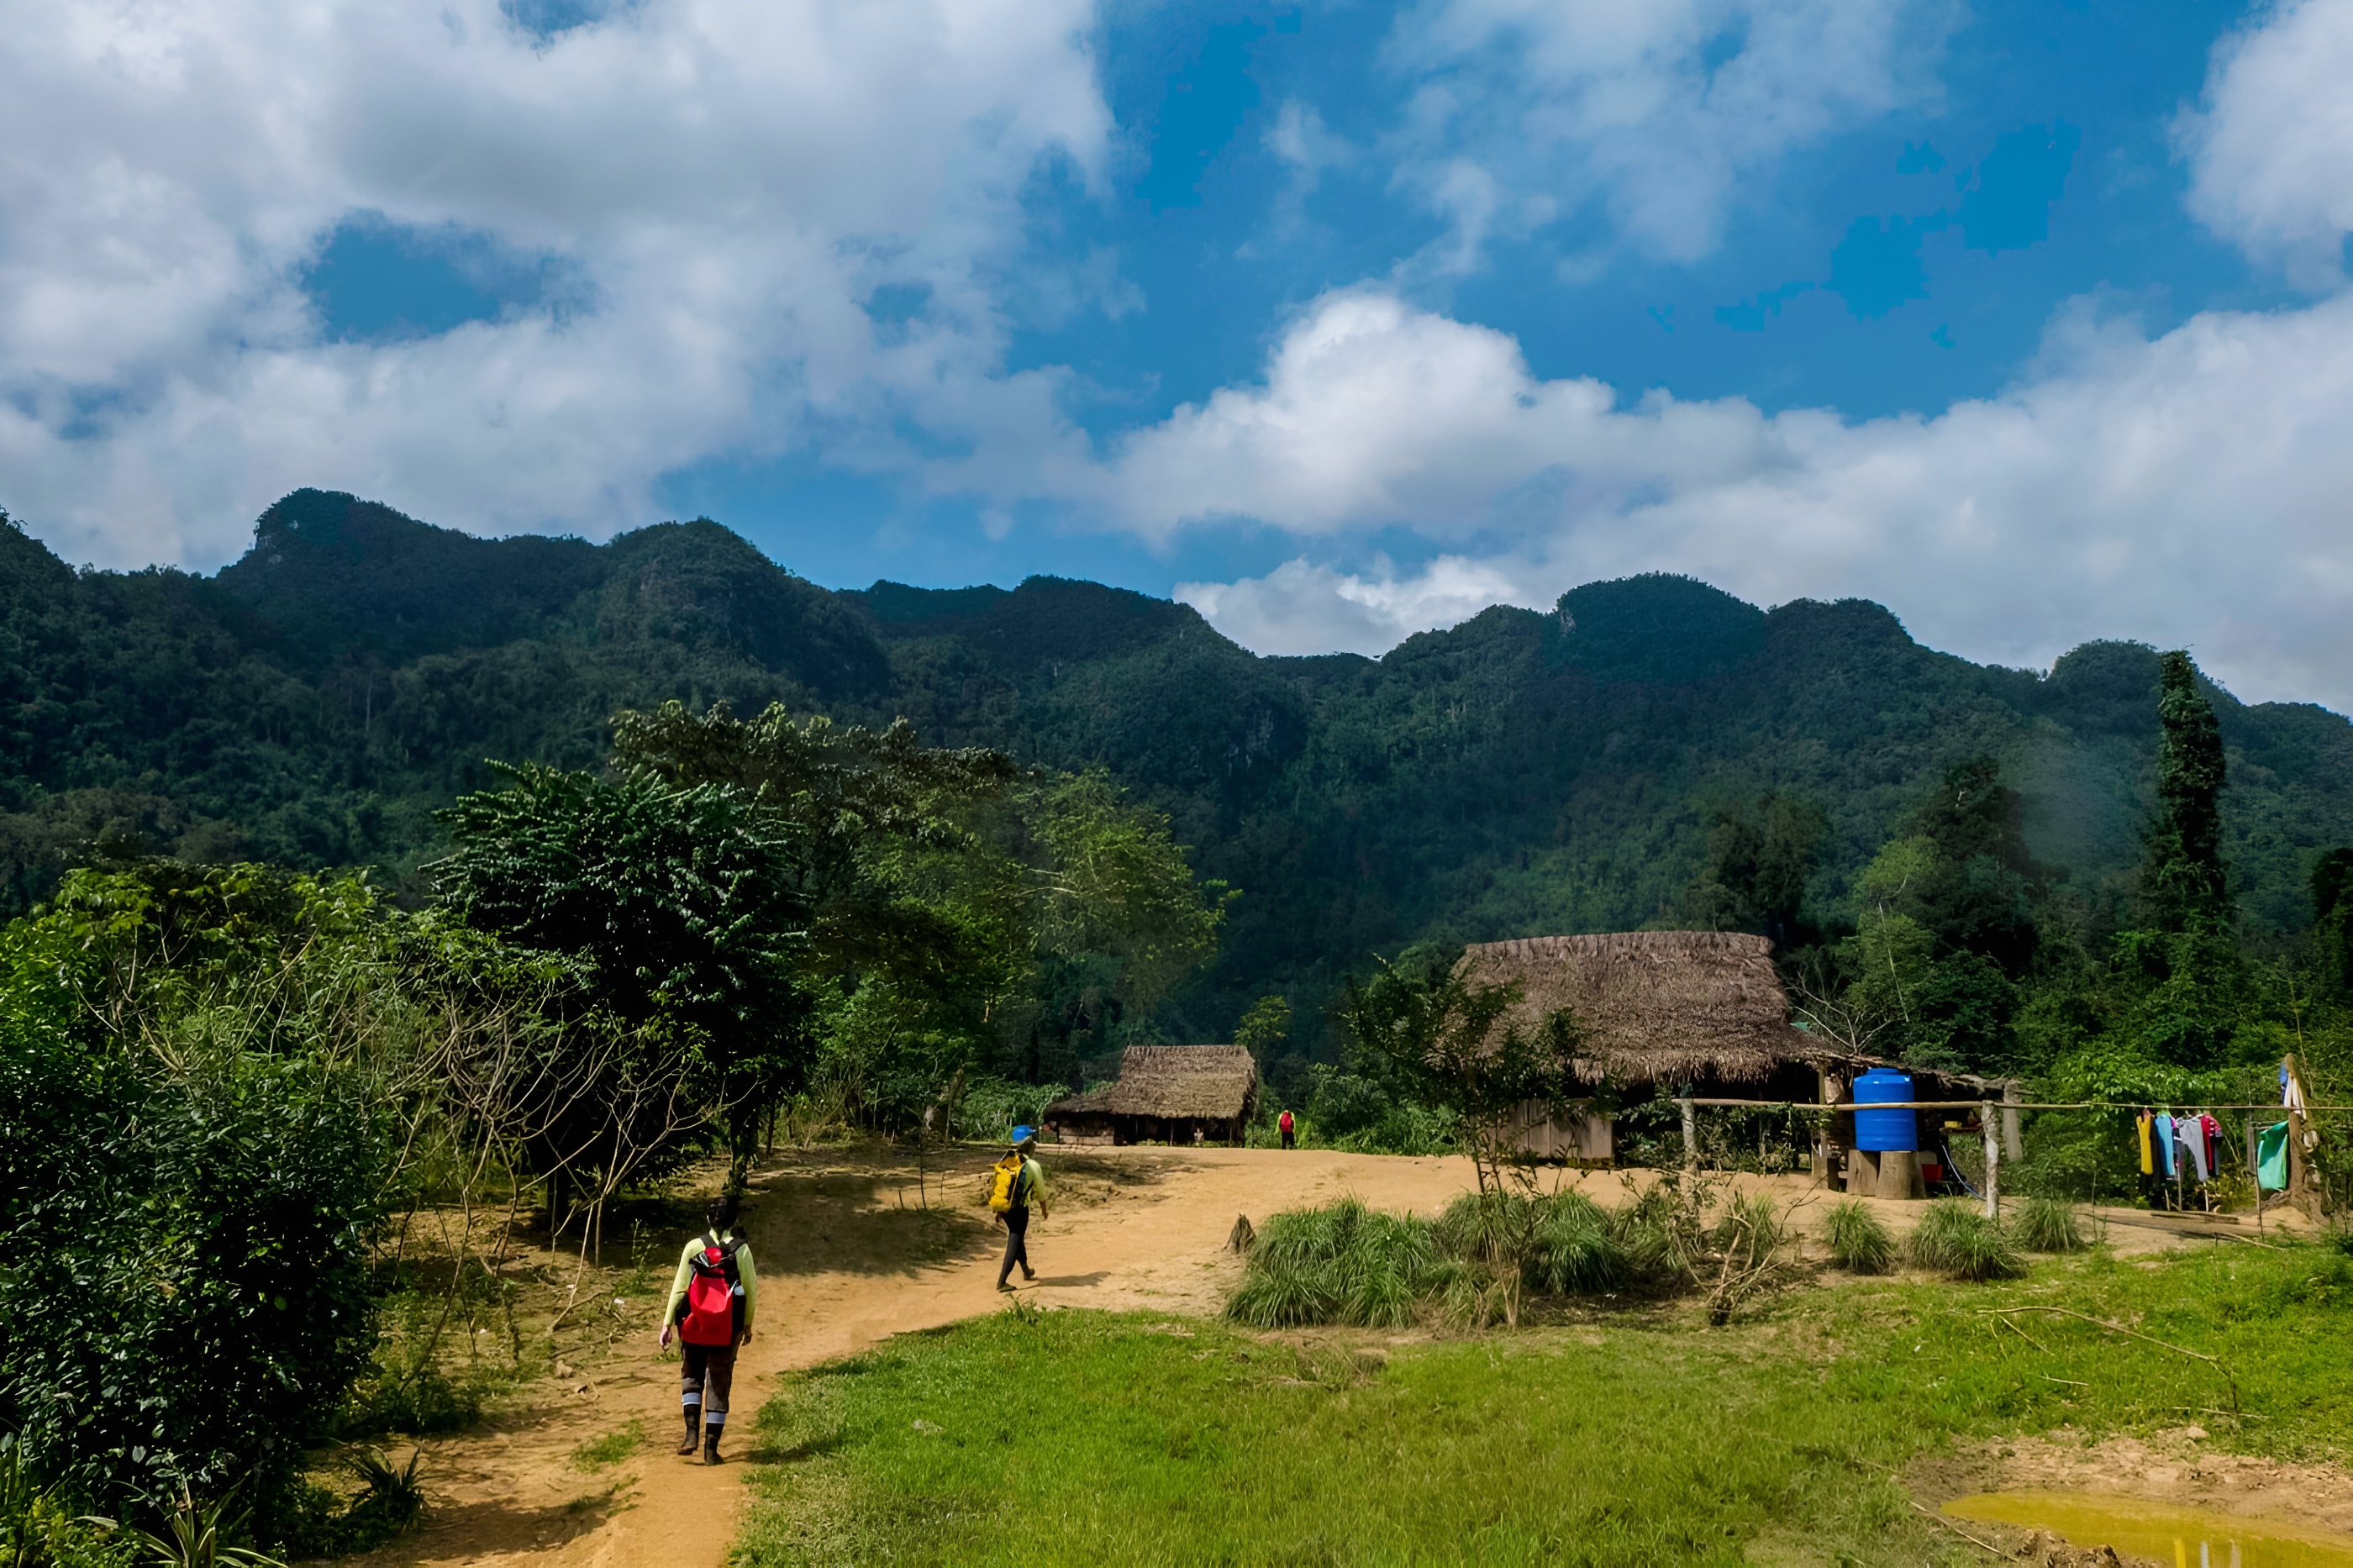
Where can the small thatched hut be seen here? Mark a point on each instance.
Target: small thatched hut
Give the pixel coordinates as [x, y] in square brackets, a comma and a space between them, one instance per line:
[1168, 1094]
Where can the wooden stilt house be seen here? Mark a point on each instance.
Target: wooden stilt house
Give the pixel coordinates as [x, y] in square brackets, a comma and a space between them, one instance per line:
[1691, 1014]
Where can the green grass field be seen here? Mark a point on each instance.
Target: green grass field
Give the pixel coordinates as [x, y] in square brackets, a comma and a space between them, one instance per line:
[1077, 1438]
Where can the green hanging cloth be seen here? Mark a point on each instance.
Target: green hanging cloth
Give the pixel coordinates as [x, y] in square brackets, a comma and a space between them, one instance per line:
[2271, 1157]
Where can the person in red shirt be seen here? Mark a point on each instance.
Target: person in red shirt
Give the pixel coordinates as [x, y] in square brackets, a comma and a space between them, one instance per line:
[1283, 1121]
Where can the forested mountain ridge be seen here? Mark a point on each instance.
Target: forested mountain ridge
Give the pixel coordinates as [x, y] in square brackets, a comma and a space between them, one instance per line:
[1522, 772]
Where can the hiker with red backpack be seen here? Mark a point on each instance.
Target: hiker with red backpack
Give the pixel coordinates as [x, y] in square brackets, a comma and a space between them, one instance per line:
[1016, 1182]
[712, 1300]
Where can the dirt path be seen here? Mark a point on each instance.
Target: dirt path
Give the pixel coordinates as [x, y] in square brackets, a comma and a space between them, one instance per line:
[849, 1254]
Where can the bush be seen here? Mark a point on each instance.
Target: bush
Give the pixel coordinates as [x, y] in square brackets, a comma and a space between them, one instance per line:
[1953, 1238]
[184, 1221]
[38, 1530]
[1341, 1104]
[2048, 1225]
[992, 1107]
[1857, 1241]
[420, 1404]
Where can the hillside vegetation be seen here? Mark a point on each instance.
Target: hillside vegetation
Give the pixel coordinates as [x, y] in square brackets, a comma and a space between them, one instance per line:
[319, 699]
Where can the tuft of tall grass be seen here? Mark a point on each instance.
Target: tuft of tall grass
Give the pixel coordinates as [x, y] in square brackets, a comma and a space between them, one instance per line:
[2048, 1225]
[1953, 1238]
[1575, 1250]
[1340, 1263]
[1857, 1241]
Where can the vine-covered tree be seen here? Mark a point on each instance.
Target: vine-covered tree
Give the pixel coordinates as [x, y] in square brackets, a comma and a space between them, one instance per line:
[2185, 887]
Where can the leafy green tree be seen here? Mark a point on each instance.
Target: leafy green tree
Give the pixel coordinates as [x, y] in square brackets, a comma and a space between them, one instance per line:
[1759, 860]
[2332, 921]
[1265, 1032]
[1115, 881]
[1948, 923]
[2185, 887]
[2180, 967]
[960, 910]
[1457, 1044]
[1265, 1029]
[689, 903]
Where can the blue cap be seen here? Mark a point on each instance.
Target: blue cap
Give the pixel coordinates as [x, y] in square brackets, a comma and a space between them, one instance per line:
[1023, 1134]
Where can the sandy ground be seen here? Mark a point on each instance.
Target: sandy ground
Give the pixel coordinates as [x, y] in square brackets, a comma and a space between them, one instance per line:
[851, 1253]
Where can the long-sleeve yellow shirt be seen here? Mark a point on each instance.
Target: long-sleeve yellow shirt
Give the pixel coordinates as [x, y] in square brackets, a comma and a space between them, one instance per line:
[743, 1269]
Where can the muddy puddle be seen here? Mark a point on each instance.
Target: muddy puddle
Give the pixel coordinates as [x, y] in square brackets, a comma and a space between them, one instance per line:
[2166, 1532]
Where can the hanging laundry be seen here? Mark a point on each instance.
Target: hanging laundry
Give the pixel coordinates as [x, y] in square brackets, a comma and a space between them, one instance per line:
[2193, 1147]
[2166, 1143]
[2148, 1160]
[2271, 1157]
[2212, 1130]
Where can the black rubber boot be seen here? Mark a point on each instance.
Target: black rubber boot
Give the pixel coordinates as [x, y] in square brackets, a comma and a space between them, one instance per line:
[710, 1445]
[693, 1420]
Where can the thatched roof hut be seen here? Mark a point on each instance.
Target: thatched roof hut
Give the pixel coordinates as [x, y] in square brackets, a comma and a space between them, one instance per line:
[1656, 1006]
[1176, 1094]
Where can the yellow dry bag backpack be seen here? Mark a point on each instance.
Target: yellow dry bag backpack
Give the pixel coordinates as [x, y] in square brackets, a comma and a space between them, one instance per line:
[1004, 1183]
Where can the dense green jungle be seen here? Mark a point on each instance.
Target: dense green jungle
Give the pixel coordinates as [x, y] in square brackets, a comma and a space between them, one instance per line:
[320, 700]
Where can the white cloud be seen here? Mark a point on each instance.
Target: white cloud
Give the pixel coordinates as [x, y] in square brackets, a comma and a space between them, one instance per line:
[1662, 110]
[2187, 490]
[1299, 607]
[2272, 151]
[726, 181]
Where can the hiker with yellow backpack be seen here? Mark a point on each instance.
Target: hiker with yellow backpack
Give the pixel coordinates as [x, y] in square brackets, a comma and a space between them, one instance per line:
[1014, 1183]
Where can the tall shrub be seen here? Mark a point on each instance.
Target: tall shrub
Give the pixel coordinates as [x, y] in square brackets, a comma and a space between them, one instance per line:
[184, 1221]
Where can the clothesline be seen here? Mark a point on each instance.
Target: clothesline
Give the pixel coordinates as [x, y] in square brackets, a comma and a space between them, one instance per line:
[2000, 1104]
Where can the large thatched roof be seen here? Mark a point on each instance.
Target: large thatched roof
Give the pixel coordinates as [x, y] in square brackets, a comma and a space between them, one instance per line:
[1655, 1005]
[1211, 1083]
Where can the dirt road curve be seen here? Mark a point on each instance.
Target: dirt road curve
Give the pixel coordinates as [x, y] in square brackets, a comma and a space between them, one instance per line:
[845, 1260]
[848, 1255]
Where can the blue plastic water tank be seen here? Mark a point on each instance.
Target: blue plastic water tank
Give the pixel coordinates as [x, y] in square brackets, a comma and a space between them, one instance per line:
[1878, 1130]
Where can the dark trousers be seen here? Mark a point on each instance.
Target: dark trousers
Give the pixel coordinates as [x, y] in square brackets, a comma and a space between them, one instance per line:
[706, 1377]
[1286, 1137]
[1017, 1244]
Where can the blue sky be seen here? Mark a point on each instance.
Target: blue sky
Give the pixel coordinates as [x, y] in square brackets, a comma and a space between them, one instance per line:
[1336, 320]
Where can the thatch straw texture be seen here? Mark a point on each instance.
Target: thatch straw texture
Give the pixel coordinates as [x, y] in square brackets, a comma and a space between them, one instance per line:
[1206, 1083]
[1655, 1006]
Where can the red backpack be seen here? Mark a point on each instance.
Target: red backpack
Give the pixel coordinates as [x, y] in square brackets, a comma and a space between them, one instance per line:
[714, 1294]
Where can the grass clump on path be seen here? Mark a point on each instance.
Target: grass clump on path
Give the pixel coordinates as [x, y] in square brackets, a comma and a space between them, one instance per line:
[1086, 1439]
[2048, 1225]
[1342, 1263]
[1956, 1240]
[1856, 1239]
[1481, 1261]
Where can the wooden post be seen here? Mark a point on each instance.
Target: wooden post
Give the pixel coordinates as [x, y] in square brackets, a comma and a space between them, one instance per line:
[1899, 1175]
[2299, 1174]
[1691, 1134]
[1993, 1159]
[2255, 1172]
[2013, 1146]
[1826, 1144]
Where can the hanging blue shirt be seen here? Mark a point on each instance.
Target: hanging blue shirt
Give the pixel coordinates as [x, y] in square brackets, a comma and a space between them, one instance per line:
[2165, 1142]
